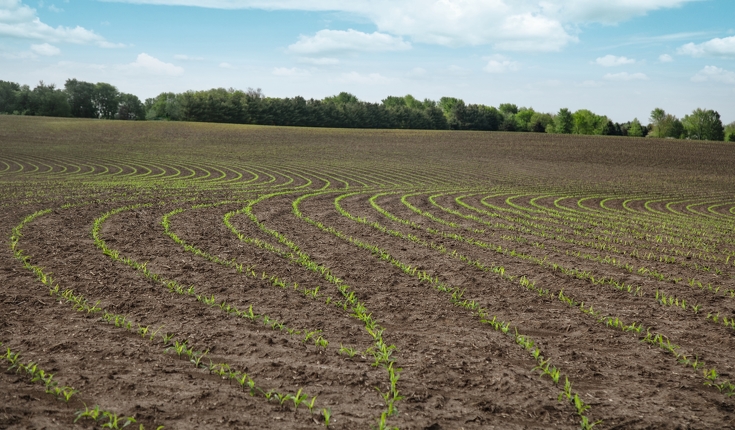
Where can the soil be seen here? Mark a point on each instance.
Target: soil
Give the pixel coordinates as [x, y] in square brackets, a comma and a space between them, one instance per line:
[456, 372]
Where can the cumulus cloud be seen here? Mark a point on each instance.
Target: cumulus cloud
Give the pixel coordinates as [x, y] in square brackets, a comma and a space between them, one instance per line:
[366, 79]
[513, 25]
[665, 58]
[293, 72]
[20, 21]
[45, 49]
[609, 12]
[714, 74]
[625, 76]
[500, 64]
[152, 65]
[612, 61]
[345, 41]
[724, 47]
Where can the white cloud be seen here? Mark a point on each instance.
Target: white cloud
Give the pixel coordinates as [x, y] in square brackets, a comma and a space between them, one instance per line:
[625, 76]
[291, 72]
[225, 65]
[53, 8]
[665, 58]
[612, 61]
[320, 61]
[366, 79]
[345, 41]
[724, 47]
[714, 74]
[513, 25]
[608, 12]
[22, 55]
[148, 64]
[183, 57]
[20, 21]
[500, 64]
[529, 32]
[45, 49]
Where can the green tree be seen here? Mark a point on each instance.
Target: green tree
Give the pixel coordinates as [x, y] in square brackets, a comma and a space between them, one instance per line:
[458, 116]
[447, 103]
[658, 116]
[415, 104]
[164, 106]
[9, 92]
[130, 107]
[508, 122]
[523, 118]
[730, 132]
[608, 129]
[584, 122]
[665, 125]
[80, 96]
[635, 129]
[342, 98]
[105, 100]
[508, 108]
[394, 101]
[564, 122]
[587, 122]
[704, 125]
[481, 117]
[539, 122]
[46, 100]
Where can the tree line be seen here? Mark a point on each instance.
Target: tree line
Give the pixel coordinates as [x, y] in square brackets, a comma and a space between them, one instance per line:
[102, 100]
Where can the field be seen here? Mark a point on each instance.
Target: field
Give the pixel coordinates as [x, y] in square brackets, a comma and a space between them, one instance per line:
[194, 276]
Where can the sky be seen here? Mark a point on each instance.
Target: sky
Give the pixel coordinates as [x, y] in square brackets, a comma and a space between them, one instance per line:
[617, 58]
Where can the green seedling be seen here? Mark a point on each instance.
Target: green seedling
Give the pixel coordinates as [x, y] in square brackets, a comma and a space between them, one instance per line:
[143, 331]
[13, 358]
[167, 338]
[283, 398]
[251, 385]
[327, 415]
[320, 341]
[153, 335]
[298, 398]
[197, 358]
[88, 413]
[243, 380]
[347, 350]
[179, 347]
[311, 405]
[67, 393]
[250, 314]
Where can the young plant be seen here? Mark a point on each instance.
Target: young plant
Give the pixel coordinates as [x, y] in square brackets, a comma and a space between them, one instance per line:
[327, 415]
[298, 398]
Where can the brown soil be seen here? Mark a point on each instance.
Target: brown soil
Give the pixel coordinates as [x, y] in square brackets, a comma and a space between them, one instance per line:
[456, 372]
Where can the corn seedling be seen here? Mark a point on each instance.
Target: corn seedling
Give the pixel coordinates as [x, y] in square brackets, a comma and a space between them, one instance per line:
[327, 415]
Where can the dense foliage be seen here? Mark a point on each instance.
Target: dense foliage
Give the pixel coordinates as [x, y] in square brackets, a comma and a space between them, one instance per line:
[102, 100]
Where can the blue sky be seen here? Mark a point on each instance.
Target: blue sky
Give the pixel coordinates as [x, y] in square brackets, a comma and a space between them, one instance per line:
[617, 58]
